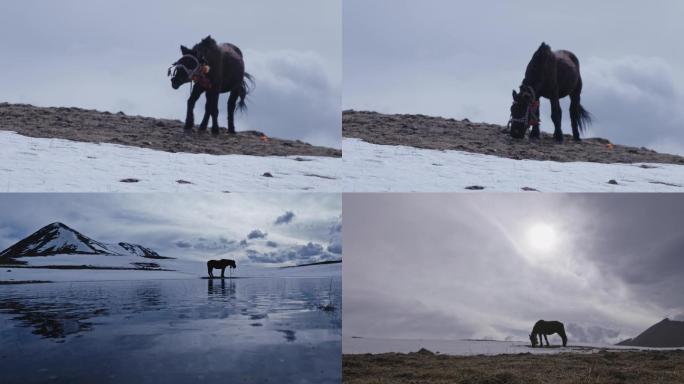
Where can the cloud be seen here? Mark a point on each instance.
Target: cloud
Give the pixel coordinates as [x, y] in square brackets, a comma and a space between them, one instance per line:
[635, 101]
[272, 244]
[301, 254]
[592, 334]
[183, 244]
[285, 218]
[296, 96]
[257, 234]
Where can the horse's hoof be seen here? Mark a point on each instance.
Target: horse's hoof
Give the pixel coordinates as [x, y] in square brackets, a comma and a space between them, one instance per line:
[231, 131]
[559, 139]
[214, 132]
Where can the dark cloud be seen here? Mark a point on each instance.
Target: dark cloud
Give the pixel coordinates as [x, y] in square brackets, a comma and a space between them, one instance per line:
[272, 244]
[257, 234]
[285, 218]
[303, 254]
[183, 244]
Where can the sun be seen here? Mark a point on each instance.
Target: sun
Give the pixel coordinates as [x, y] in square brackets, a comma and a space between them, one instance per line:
[542, 237]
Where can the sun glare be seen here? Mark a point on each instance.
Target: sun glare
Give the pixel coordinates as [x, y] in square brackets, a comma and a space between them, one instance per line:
[542, 237]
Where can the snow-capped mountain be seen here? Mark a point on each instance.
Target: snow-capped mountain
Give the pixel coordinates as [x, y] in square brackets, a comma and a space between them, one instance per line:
[59, 239]
[52, 239]
[139, 250]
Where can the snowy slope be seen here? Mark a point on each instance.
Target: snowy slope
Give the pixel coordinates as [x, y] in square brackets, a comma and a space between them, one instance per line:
[48, 165]
[379, 168]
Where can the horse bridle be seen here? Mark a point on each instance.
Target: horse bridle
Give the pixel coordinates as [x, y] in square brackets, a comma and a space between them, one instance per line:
[530, 118]
[190, 72]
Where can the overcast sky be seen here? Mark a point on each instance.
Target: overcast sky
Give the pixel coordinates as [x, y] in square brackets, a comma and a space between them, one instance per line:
[453, 266]
[461, 59]
[268, 229]
[113, 55]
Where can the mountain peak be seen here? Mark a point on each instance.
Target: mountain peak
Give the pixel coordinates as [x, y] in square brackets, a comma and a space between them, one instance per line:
[55, 238]
[666, 333]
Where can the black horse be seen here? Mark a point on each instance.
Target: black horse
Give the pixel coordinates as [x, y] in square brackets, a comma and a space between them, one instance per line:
[214, 69]
[545, 328]
[219, 264]
[553, 75]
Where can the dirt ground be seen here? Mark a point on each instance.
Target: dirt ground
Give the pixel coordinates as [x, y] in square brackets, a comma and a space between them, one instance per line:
[439, 133]
[160, 134]
[598, 368]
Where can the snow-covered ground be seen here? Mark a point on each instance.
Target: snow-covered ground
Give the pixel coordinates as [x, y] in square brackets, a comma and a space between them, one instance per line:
[384, 168]
[54, 165]
[352, 345]
[182, 269]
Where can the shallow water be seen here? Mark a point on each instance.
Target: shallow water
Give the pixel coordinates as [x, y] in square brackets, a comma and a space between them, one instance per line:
[172, 331]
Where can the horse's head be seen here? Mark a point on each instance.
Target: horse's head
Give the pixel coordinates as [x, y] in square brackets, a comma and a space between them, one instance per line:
[183, 70]
[533, 339]
[523, 111]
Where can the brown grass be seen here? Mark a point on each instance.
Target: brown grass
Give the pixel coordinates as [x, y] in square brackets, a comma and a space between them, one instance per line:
[603, 367]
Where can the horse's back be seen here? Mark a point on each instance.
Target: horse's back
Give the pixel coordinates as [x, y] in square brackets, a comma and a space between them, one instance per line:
[568, 57]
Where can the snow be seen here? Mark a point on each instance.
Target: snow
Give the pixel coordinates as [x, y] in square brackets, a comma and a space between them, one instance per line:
[353, 345]
[54, 165]
[66, 237]
[182, 269]
[384, 168]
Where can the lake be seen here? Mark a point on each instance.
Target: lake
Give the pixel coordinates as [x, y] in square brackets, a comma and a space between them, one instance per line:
[173, 331]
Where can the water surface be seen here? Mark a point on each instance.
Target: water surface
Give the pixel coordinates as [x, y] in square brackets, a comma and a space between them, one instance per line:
[172, 331]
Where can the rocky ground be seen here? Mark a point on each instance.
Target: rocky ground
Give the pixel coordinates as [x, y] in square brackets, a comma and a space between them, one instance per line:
[463, 135]
[159, 134]
[602, 367]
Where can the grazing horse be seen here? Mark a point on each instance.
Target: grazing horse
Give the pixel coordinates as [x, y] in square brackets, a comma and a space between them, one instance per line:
[553, 75]
[219, 264]
[214, 69]
[545, 328]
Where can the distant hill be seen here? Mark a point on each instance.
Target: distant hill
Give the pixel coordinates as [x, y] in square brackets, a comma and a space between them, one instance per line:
[318, 263]
[665, 334]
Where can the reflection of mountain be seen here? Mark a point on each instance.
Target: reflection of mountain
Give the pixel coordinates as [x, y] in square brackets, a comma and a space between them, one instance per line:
[50, 320]
[667, 333]
[63, 245]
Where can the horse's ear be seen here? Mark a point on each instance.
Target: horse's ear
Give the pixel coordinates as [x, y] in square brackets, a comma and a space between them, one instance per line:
[185, 50]
[515, 94]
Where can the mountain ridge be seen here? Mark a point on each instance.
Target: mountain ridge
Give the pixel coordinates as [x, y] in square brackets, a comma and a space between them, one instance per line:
[664, 334]
[59, 239]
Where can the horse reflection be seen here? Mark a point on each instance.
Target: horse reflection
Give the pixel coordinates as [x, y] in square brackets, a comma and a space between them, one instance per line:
[221, 290]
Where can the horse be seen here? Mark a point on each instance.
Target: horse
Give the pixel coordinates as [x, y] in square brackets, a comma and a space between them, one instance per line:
[214, 69]
[545, 328]
[220, 264]
[553, 75]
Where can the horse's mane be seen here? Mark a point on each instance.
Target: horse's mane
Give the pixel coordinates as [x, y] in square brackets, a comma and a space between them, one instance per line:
[208, 44]
[536, 65]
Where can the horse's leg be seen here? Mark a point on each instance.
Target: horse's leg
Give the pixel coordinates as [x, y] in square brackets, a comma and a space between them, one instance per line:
[547, 340]
[232, 105]
[575, 110]
[534, 134]
[211, 272]
[556, 116]
[208, 109]
[223, 271]
[214, 113]
[541, 342]
[192, 100]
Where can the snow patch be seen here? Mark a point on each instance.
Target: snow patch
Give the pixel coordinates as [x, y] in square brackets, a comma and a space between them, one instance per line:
[386, 168]
[30, 164]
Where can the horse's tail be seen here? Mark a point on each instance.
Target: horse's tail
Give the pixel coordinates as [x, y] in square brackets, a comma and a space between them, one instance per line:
[582, 116]
[246, 87]
[563, 335]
